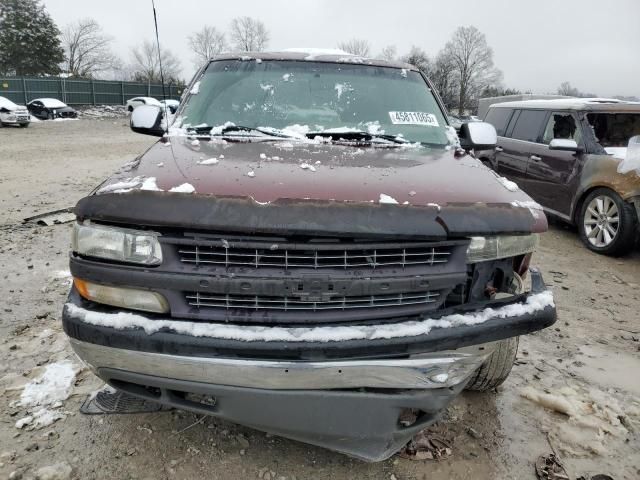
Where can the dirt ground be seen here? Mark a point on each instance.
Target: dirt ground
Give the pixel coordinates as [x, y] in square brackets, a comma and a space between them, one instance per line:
[575, 388]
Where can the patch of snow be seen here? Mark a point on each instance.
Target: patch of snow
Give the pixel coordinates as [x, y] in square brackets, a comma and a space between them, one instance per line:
[298, 131]
[167, 143]
[53, 386]
[251, 174]
[374, 128]
[195, 89]
[41, 418]
[218, 129]
[452, 136]
[593, 422]
[258, 60]
[195, 142]
[161, 164]
[275, 157]
[221, 156]
[263, 156]
[307, 166]
[267, 88]
[384, 198]
[250, 333]
[184, 188]
[434, 205]
[403, 73]
[508, 184]
[286, 77]
[246, 58]
[209, 161]
[150, 184]
[316, 52]
[123, 186]
[340, 88]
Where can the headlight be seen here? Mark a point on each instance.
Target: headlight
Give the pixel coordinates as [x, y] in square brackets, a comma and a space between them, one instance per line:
[119, 244]
[504, 246]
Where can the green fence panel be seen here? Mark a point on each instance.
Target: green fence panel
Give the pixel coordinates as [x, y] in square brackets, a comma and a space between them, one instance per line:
[22, 90]
[43, 88]
[78, 92]
[13, 89]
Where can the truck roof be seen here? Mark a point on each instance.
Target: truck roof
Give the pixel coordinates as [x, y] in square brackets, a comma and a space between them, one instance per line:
[591, 104]
[315, 55]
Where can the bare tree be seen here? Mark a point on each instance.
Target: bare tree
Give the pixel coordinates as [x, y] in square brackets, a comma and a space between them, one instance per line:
[418, 58]
[473, 62]
[389, 53]
[248, 34]
[442, 77]
[146, 67]
[356, 46]
[566, 89]
[87, 48]
[206, 43]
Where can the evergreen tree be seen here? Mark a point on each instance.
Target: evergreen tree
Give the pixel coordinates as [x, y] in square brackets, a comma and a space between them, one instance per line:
[29, 39]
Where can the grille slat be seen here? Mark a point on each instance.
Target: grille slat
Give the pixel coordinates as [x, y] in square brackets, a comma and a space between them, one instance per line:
[256, 302]
[314, 256]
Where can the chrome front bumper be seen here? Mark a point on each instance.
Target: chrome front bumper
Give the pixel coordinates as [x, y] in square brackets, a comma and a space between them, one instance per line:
[436, 370]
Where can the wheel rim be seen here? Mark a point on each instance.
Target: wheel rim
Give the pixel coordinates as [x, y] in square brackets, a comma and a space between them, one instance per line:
[601, 221]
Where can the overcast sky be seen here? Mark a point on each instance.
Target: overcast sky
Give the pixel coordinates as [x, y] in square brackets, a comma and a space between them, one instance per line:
[538, 44]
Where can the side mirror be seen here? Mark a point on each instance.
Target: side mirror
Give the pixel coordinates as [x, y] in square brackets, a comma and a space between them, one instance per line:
[147, 119]
[478, 136]
[564, 145]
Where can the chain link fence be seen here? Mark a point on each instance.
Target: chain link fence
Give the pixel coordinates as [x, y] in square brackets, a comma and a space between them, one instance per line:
[22, 90]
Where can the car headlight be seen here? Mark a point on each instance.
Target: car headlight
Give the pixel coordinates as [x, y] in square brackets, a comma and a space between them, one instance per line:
[118, 244]
[504, 246]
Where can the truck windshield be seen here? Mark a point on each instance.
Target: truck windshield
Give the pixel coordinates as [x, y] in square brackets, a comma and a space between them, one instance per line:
[307, 97]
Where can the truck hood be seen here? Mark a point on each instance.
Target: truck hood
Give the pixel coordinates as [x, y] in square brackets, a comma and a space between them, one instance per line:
[279, 173]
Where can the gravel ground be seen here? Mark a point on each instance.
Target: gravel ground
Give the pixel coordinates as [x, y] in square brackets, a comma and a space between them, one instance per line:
[575, 388]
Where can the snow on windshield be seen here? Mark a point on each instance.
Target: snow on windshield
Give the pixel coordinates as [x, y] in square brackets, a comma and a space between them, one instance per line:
[294, 98]
[51, 102]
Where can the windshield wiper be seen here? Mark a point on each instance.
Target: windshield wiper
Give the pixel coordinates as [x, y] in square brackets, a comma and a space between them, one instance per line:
[200, 130]
[357, 135]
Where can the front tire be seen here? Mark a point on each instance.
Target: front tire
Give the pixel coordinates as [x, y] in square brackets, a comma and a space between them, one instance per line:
[607, 223]
[495, 370]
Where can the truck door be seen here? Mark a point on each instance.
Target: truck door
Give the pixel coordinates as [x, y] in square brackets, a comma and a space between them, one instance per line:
[551, 174]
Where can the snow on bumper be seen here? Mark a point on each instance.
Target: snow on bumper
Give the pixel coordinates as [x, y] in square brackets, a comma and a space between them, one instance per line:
[125, 320]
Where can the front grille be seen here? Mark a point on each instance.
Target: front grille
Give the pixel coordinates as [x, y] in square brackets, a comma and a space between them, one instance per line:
[285, 304]
[314, 256]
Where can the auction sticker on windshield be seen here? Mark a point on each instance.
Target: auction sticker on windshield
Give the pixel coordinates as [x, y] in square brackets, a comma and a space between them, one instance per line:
[414, 118]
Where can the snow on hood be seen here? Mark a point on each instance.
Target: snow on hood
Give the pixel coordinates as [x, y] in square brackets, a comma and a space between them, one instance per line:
[50, 102]
[9, 105]
[281, 171]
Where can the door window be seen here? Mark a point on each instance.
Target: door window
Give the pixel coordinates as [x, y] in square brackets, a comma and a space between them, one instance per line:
[499, 118]
[562, 125]
[529, 125]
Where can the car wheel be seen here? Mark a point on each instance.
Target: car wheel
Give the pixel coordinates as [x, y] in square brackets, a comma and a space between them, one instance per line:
[495, 370]
[49, 116]
[130, 108]
[607, 223]
[24, 125]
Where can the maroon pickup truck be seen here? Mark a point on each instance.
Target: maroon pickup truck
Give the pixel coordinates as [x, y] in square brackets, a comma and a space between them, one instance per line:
[309, 250]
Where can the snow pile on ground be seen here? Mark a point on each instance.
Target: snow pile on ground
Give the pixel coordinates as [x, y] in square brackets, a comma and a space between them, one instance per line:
[596, 420]
[47, 392]
[248, 333]
[103, 111]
